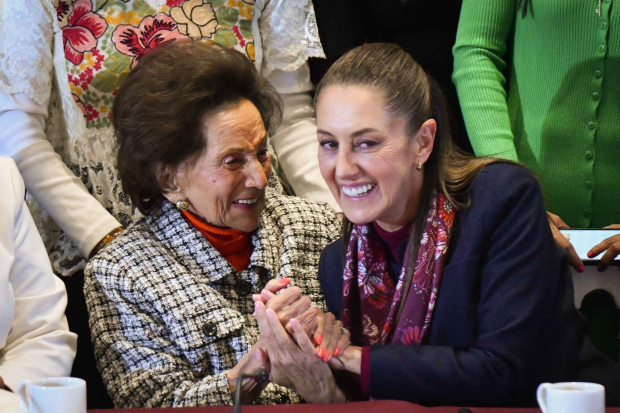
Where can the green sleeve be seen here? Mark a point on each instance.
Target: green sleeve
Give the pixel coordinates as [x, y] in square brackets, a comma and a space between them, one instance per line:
[480, 46]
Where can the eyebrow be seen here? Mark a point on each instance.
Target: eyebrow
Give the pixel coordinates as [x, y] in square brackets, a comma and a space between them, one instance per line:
[354, 134]
[241, 149]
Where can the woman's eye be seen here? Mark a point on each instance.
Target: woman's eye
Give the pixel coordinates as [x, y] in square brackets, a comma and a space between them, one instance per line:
[231, 161]
[262, 154]
[327, 144]
[366, 144]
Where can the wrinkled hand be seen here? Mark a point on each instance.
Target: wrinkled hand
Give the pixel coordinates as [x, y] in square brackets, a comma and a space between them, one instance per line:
[331, 337]
[556, 223]
[612, 247]
[295, 365]
[289, 304]
[326, 331]
[250, 388]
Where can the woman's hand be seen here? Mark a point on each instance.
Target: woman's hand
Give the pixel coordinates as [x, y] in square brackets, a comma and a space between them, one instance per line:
[556, 223]
[612, 247]
[255, 360]
[331, 336]
[295, 365]
[289, 304]
[350, 360]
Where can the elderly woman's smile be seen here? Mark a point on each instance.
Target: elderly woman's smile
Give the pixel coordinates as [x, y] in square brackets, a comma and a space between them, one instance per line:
[225, 185]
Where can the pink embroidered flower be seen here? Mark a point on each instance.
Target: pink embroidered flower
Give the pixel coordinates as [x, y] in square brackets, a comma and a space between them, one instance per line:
[138, 41]
[174, 3]
[81, 28]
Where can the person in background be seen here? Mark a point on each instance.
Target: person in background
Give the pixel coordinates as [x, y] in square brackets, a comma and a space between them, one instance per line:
[35, 341]
[170, 299]
[424, 28]
[62, 64]
[538, 83]
[446, 273]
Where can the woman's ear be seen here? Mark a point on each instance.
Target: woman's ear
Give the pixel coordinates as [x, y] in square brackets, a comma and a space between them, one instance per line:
[170, 180]
[425, 139]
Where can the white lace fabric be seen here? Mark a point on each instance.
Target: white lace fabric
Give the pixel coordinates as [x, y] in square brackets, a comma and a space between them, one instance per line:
[289, 35]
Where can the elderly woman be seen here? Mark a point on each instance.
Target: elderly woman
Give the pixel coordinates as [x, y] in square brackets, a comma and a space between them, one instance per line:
[452, 286]
[170, 300]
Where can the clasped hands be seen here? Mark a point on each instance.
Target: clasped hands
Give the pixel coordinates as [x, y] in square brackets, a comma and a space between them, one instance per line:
[296, 342]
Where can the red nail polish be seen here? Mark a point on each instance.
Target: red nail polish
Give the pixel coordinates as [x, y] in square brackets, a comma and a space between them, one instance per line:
[336, 352]
[582, 268]
[590, 254]
[318, 339]
[321, 352]
[326, 358]
[285, 280]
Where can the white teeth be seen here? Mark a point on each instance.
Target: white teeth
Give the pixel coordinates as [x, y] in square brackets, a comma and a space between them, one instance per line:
[357, 191]
[246, 201]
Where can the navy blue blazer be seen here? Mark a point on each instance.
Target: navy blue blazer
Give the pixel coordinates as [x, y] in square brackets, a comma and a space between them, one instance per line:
[504, 320]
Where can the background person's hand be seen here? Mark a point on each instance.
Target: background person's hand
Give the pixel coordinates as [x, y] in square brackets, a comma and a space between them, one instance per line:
[253, 361]
[289, 304]
[556, 224]
[295, 365]
[611, 246]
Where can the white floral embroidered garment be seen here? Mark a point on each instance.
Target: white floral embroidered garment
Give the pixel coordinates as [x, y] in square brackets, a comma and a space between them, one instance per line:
[71, 57]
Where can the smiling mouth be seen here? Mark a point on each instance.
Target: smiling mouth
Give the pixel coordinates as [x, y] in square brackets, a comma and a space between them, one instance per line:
[246, 201]
[358, 191]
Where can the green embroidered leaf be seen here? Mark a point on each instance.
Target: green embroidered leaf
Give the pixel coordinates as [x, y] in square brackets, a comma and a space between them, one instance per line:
[117, 62]
[218, 2]
[142, 8]
[100, 4]
[245, 26]
[226, 38]
[227, 15]
[105, 81]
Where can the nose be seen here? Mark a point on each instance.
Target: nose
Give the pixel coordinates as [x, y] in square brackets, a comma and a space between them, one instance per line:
[346, 168]
[256, 175]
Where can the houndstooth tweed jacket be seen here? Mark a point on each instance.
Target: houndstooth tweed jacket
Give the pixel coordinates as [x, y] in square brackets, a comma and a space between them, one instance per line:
[170, 316]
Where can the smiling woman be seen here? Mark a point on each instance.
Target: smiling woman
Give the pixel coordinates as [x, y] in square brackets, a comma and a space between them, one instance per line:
[443, 273]
[170, 299]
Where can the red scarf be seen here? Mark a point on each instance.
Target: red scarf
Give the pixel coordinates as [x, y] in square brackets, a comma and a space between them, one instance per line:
[236, 246]
[371, 301]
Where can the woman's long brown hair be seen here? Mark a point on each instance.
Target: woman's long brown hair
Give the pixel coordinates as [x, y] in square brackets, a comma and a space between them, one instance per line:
[412, 94]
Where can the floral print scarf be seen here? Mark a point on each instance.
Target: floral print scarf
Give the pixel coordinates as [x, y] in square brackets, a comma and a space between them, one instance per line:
[371, 301]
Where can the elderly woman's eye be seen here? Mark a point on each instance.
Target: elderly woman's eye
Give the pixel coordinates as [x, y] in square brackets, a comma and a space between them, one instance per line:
[262, 154]
[231, 161]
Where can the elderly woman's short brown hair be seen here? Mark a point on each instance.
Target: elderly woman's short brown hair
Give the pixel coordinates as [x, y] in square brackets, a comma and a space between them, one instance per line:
[159, 111]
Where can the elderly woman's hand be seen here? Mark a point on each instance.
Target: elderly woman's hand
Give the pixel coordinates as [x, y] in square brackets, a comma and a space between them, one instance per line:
[327, 332]
[289, 304]
[255, 360]
[295, 365]
[556, 223]
[612, 247]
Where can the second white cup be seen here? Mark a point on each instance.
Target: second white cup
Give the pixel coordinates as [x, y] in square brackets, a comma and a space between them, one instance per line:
[53, 395]
[571, 397]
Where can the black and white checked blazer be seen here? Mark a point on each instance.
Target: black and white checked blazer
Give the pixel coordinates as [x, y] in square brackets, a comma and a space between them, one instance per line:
[170, 316]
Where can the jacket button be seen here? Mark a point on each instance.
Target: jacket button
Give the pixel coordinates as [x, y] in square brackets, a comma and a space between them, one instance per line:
[243, 288]
[210, 330]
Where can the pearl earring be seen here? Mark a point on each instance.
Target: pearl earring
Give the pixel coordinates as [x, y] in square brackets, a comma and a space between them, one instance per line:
[419, 166]
[182, 205]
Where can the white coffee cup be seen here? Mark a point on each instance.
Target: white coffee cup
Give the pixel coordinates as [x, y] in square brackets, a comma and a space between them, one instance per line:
[571, 397]
[53, 395]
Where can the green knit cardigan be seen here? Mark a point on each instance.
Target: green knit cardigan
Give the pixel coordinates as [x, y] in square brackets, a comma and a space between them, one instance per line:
[544, 89]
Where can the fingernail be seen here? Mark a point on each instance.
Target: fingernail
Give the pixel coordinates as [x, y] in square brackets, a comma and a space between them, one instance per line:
[320, 352]
[255, 306]
[285, 280]
[318, 339]
[327, 357]
[582, 268]
[590, 254]
[256, 297]
[336, 352]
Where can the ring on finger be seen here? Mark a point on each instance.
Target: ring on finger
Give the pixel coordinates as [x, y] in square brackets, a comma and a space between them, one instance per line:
[343, 331]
